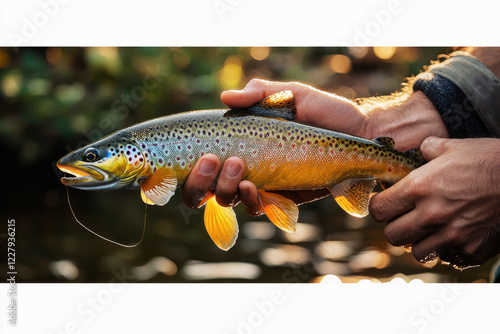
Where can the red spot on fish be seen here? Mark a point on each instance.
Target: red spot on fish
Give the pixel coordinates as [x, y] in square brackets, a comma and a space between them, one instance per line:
[293, 145]
[390, 169]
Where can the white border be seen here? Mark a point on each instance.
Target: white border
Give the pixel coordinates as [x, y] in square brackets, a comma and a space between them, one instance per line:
[248, 23]
[396, 308]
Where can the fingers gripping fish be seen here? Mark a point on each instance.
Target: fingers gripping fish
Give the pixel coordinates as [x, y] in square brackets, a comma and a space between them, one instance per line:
[279, 154]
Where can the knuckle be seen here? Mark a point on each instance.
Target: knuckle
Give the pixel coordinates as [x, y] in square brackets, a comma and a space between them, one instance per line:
[376, 209]
[257, 82]
[391, 235]
[456, 236]
[433, 214]
[419, 186]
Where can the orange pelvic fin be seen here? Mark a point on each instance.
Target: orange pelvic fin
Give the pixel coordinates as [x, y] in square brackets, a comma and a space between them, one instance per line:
[280, 210]
[159, 187]
[220, 222]
[354, 195]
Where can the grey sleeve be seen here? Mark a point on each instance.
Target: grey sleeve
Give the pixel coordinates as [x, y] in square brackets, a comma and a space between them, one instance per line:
[477, 82]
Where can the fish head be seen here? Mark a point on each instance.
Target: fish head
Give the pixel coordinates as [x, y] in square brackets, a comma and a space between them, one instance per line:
[111, 163]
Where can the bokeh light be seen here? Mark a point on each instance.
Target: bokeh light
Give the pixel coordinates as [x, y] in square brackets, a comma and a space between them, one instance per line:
[339, 64]
[231, 75]
[259, 53]
[384, 52]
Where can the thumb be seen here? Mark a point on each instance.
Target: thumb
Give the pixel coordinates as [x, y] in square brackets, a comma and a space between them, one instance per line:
[432, 147]
[254, 91]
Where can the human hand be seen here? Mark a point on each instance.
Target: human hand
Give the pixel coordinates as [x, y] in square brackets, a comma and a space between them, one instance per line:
[450, 207]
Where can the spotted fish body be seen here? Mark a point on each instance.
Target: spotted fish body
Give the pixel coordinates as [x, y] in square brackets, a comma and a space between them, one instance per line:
[279, 154]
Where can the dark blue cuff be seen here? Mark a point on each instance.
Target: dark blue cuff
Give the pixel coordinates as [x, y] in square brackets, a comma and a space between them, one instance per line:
[458, 114]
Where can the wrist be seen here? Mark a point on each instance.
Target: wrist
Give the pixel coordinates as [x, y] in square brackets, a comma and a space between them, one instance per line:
[408, 118]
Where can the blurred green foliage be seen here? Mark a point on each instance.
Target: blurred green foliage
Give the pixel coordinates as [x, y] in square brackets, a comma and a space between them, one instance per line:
[54, 100]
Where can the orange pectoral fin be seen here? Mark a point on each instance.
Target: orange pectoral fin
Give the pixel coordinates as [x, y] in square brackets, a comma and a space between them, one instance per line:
[145, 199]
[220, 223]
[159, 187]
[282, 211]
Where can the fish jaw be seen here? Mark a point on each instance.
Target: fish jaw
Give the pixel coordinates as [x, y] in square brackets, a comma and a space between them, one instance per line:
[86, 176]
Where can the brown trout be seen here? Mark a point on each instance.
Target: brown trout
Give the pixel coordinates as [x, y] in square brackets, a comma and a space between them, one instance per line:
[157, 156]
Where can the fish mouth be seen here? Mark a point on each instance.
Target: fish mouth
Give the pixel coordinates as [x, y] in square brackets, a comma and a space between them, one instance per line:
[84, 176]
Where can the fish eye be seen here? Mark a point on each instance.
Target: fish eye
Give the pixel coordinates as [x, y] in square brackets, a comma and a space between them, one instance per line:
[91, 154]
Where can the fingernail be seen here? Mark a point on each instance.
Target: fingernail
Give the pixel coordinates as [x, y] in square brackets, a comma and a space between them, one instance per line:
[233, 169]
[207, 167]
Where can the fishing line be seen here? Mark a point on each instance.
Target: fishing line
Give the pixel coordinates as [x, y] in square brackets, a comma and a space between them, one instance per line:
[100, 236]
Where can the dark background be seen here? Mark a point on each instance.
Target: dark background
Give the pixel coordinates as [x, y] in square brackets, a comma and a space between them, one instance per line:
[54, 100]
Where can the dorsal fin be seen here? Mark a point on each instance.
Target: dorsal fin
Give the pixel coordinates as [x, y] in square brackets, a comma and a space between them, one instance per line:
[386, 141]
[281, 104]
[416, 156]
